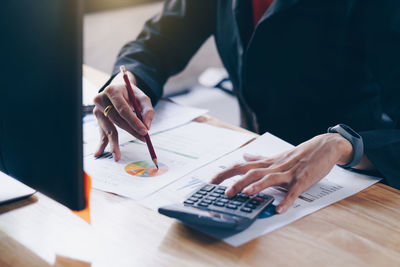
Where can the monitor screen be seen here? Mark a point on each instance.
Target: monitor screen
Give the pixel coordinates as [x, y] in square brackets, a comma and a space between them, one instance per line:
[41, 97]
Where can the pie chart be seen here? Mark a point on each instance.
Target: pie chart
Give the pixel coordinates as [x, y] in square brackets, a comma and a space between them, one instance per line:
[145, 169]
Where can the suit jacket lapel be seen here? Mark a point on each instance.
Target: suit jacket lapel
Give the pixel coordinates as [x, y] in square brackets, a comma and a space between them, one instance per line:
[277, 7]
[243, 17]
[242, 11]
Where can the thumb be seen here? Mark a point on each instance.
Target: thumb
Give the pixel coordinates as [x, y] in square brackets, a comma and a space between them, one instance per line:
[148, 116]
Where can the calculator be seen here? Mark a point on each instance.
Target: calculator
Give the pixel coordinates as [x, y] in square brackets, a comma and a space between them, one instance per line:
[210, 207]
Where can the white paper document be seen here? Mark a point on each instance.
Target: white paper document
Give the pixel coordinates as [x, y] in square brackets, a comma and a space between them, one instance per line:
[89, 92]
[12, 189]
[179, 151]
[337, 185]
[168, 116]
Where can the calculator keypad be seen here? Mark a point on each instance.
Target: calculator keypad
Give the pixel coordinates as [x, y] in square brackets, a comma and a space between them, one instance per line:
[213, 198]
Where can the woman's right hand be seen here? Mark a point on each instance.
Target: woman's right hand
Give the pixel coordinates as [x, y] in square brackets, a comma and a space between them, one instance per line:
[121, 114]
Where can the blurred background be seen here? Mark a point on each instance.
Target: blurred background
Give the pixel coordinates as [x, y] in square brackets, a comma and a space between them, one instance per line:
[109, 24]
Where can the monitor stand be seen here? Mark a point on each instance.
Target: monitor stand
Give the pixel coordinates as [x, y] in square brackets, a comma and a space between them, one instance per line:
[13, 190]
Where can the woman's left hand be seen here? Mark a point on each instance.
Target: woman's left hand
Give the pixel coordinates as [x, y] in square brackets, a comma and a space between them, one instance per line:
[296, 170]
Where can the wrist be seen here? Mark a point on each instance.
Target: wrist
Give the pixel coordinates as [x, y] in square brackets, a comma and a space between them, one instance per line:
[356, 142]
[343, 148]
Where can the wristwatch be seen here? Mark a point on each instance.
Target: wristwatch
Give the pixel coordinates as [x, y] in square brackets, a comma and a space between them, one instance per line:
[354, 138]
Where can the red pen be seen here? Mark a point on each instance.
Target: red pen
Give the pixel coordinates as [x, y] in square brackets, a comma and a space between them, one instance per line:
[138, 111]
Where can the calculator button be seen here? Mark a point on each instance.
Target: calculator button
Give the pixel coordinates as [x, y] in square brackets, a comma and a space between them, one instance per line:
[245, 209]
[236, 203]
[243, 195]
[211, 198]
[197, 195]
[251, 206]
[224, 197]
[201, 192]
[259, 199]
[219, 204]
[215, 195]
[208, 187]
[194, 199]
[189, 202]
[219, 191]
[262, 195]
[221, 187]
[254, 202]
[240, 199]
[206, 201]
[202, 204]
[223, 200]
[231, 206]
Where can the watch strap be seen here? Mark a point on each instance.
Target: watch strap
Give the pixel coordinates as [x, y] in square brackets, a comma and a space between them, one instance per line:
[354, 138]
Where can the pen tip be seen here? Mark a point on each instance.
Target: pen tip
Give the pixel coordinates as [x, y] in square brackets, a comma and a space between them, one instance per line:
[155, 163]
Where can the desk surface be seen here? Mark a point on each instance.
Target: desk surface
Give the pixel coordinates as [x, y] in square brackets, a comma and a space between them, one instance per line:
[360, 230]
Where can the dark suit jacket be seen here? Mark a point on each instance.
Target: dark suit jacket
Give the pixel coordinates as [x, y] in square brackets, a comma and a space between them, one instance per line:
[308, 65]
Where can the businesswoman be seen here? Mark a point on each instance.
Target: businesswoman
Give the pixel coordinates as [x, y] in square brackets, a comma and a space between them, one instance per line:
[298, 67]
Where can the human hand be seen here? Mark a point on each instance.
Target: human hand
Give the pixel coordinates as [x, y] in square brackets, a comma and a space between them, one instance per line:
[296, 170]
[122, 114]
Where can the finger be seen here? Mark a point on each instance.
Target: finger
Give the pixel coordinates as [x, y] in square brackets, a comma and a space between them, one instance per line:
[269, 180]
[147, 108]
[250, 177]
[103, 143]
[294, 192]
[250, 157]
[236, 169]
[102, 102]
[103, 136]
[124, 109]
[121, 123]
[111, 133]
[148, 116]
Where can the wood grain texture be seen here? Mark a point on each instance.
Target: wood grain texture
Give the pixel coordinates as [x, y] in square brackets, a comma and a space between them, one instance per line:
[362, 230]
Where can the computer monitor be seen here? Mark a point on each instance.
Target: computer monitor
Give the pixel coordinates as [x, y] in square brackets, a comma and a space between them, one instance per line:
[41, 97]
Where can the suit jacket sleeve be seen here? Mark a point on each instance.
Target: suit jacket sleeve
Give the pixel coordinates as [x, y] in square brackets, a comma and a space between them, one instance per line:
[382, 146]
[166, 43]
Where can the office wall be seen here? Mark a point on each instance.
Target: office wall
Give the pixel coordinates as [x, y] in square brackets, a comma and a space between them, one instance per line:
[105, 32]
[97, 5]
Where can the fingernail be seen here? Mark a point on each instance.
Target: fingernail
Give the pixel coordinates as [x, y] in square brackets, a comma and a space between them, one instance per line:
[148, 123]
[249, 191]
[279, 209]
[143, 132]
[229, 192]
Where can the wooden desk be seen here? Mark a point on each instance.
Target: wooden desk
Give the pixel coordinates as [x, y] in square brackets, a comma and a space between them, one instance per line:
[360, 230]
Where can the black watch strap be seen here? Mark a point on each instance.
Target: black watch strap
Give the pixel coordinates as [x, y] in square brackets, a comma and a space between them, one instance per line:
[354, 138]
